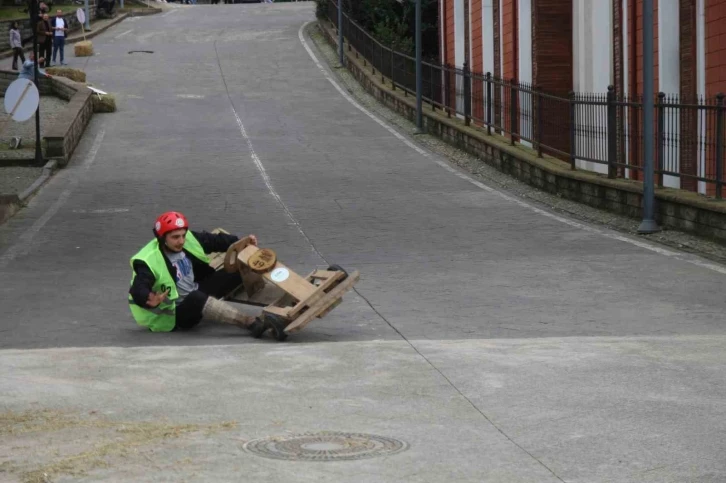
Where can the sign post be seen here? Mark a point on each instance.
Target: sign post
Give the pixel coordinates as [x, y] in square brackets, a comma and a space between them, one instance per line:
[83, 19]
[21, 100]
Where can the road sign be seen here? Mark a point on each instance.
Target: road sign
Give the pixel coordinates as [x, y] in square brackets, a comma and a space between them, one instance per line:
[21, 99]
[81, 16]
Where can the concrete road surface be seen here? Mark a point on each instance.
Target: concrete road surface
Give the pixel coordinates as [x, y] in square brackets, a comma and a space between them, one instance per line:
[488, 338]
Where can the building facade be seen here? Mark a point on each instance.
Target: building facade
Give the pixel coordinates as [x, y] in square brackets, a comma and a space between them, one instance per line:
[585, 46]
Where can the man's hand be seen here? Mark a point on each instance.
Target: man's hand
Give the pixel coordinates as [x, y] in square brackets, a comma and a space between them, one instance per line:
[155, 298]
[253, 239]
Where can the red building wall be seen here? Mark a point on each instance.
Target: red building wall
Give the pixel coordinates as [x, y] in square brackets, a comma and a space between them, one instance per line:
[715, 11]
[510, 42]
[477, 62]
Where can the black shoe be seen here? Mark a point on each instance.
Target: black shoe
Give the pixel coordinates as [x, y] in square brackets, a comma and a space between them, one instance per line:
[277, 326]
[257, 328]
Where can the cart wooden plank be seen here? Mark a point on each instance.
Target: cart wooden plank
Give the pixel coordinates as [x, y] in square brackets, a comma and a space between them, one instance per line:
[295, 285]
[319, 292]
[323, 303]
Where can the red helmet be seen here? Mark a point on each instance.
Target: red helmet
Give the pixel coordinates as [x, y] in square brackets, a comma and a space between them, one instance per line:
[170, 221]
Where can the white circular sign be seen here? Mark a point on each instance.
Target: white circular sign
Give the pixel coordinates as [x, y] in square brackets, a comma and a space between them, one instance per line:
[21, 99]
[81, 15]
[280, 275]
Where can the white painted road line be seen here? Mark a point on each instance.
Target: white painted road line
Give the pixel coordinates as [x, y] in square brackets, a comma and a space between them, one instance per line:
[123, 33]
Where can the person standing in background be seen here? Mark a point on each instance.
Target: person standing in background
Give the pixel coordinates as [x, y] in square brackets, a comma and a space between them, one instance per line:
[45, 38]
[16, 43]
[60, 32]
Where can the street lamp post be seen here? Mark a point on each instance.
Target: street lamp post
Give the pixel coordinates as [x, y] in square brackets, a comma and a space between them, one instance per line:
[33, 25]
[648, 225]
[88, 15]
[340, 32]
[419, 75]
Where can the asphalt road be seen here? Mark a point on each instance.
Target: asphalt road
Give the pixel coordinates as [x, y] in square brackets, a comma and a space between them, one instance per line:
[440, 258]
[230, 121]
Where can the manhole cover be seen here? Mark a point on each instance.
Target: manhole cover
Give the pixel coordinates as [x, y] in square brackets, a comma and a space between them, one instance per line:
[325, 446]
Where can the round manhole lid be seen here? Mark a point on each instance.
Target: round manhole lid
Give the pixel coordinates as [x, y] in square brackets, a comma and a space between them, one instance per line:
[325, 446]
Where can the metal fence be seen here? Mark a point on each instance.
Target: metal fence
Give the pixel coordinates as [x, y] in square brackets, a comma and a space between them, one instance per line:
[598, 132]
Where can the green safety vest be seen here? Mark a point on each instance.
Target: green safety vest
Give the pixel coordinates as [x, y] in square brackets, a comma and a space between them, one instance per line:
[163, 317]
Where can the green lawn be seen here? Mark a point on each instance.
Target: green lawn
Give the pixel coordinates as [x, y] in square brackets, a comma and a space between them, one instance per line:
[16, 12]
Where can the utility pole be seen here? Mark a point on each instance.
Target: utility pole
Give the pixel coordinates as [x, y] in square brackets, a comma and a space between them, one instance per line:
[648, 225]
[419, 74]
[341, 53]
[34, 27]
[88, 15]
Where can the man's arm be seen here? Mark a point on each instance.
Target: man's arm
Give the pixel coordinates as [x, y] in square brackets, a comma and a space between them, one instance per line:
[212, 242]
[143, 284]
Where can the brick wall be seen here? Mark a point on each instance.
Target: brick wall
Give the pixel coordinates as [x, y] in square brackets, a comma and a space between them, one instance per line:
[510, 41]
[450, 39]
[552, 63]
[477, 61]
[715, 46]
[619, 79]
[511, 47]
[496, 9]
[449, 53]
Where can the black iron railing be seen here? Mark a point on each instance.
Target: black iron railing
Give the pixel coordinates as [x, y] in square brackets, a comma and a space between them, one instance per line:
[600, 132]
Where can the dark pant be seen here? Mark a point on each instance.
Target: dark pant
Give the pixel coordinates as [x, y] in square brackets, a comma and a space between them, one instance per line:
[46, 50]
[219, 284]
[59, 43]
[17, 52]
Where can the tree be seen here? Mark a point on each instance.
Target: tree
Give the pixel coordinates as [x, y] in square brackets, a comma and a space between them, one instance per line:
[393, 22]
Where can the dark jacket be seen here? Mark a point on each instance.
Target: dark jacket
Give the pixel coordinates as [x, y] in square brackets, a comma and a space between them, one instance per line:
[144, 281]
[65, 23]
[44, 31]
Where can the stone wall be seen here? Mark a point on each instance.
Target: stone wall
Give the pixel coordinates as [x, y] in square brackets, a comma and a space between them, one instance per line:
[677, 209]
[25, 28]
[65, 133]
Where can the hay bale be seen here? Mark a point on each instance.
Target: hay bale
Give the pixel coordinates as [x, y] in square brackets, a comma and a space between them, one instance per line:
[67, 72]
[83, 48]
[104, 103]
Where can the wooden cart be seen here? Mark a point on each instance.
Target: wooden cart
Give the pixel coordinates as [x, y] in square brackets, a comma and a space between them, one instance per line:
[283, 294]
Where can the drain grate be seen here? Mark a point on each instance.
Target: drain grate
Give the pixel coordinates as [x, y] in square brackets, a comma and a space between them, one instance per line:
[325, 446]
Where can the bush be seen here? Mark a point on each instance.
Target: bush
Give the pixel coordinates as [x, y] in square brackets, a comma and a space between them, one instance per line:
[104, 103]
[68, 73]
[321, 8]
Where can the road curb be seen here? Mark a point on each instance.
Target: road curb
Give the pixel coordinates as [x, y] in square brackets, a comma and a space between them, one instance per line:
[94, 33]
[48, 170]
[11, 204]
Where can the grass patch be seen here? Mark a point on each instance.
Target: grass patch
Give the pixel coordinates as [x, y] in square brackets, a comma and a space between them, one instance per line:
[119, 440]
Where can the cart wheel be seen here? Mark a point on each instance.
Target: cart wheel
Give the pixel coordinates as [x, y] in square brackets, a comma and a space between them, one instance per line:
[338, 268]
[277, 326]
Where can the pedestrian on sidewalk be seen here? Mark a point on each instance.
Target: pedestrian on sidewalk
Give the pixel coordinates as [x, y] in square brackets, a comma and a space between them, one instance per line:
[28, 70]
[16, 43]
[174, 288]
[60, 32]
[45, 38]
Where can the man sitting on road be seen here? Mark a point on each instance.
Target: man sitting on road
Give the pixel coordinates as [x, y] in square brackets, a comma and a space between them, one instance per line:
[174, 288]
[28, 69]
